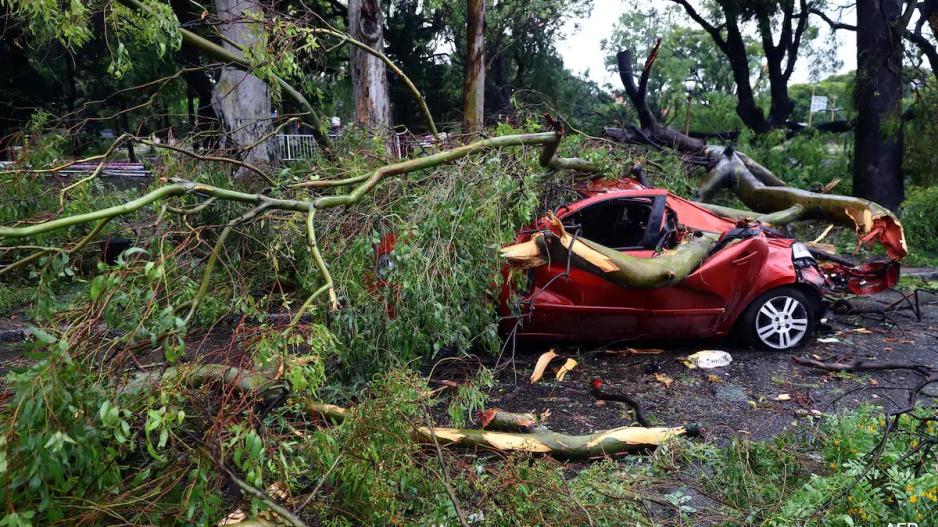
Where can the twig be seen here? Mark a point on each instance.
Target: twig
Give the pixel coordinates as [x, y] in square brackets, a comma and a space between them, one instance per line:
[255, 492]
[446, 483]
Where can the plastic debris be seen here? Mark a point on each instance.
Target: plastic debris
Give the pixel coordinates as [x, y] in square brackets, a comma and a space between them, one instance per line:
[707, 359]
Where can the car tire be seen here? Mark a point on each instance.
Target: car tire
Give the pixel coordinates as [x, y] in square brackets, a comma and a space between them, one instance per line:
[779, 320]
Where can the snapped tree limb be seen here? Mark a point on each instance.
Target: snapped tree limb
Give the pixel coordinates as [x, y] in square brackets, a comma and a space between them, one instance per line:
[555, 244]
[757, 187]
[537, 440]
[548, 141]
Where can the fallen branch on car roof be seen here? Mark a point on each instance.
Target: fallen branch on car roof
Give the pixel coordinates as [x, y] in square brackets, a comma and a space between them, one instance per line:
[556, 244]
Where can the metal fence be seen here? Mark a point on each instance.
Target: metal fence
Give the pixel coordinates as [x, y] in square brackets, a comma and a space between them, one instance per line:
[294, 147]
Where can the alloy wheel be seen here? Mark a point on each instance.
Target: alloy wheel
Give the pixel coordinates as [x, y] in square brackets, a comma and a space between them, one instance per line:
[782, 322]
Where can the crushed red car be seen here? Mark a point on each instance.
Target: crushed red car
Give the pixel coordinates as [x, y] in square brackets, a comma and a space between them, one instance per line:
[755, 282]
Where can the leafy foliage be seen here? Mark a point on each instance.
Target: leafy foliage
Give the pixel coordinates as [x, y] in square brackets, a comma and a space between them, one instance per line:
[920, 219]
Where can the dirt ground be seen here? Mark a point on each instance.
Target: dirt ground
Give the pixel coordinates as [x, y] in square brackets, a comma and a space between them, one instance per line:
[742, 399]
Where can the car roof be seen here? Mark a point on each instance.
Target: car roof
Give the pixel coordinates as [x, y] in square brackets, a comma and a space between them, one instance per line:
[689, 213]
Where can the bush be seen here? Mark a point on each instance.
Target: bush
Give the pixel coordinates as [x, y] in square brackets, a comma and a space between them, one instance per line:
[920, 219]
[921, 134]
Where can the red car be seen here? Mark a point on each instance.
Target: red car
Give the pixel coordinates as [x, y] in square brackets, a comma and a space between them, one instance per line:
[756, 283]
[767, 288]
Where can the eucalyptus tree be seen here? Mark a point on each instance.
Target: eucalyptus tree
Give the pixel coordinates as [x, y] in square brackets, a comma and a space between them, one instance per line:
[474, 69]
[369, 73]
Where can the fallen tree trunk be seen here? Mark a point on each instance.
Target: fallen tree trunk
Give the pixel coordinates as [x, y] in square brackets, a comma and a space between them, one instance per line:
[538, 440]
[555, 244]
[755, 185]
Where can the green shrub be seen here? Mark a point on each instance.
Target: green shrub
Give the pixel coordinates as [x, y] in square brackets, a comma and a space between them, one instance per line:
[920, 219]
[921, 135]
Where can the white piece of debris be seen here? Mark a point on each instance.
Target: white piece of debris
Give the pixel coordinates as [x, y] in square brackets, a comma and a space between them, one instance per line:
[783, 397]
[707, 359]
[828, 340]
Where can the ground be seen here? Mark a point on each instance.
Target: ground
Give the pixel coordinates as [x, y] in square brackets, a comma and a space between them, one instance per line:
[741, 399]
[737, 400]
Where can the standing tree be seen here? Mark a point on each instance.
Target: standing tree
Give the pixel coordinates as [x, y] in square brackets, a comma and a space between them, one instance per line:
[780, 51]
[369, 73]
[239, 98]
[473, 98]
[877, 164]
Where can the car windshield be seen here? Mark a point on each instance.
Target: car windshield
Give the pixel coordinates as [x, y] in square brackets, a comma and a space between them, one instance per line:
[618, 223]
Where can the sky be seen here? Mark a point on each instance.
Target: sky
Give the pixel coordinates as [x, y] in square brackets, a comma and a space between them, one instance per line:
[581, 51]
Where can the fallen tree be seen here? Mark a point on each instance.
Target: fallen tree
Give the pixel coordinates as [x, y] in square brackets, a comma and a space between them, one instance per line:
[535, 439]
[553, 243]
[757, 187]
[362, 185]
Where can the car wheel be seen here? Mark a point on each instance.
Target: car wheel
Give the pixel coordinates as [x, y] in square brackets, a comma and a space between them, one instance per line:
[781, 319]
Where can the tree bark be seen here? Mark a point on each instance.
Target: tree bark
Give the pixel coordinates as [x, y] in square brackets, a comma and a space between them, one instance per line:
[746, 106]
[877, 174]
[473, 91]
[239, 98]
[369, 73]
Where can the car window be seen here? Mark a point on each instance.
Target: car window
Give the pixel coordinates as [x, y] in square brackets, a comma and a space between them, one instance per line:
[620, 224]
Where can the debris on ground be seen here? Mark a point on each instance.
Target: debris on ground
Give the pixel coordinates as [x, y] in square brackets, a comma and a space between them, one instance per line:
[541, 365]
[567, 366]
[664, 379]
[708, 359]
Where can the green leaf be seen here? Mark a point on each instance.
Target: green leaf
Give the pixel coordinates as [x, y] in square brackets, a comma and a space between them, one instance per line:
[41, 335]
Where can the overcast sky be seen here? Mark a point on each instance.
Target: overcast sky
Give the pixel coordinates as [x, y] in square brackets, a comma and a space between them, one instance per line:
[582, 53]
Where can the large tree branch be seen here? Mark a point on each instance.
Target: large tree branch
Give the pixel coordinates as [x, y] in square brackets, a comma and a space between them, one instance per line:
[794, 46]
[539, 440]
[702, 22]
[761, 191]
[835, 25]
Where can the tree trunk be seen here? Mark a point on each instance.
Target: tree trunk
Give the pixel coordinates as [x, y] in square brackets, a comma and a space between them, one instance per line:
[746, 106]
[877, 174]
[241, 100]
[473, 91]
[930, 12]
[369, 73]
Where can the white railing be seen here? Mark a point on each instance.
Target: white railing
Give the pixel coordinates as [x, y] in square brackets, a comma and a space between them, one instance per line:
[294, 147]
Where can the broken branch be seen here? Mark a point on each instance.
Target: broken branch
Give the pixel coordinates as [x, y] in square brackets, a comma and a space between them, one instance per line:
[540, 440]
